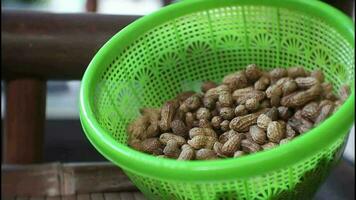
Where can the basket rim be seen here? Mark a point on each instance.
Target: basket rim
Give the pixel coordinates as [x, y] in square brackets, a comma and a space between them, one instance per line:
[222, 169]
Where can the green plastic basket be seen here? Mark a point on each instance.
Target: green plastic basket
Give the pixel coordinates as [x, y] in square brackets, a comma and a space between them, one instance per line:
[183, 44]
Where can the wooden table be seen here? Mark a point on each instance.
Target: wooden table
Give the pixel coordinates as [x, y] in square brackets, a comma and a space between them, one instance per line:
[104, 181]
[93, 196]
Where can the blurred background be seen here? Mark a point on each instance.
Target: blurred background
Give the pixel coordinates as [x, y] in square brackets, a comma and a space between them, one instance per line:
[120, 7]
[64, 140]
[28, 38]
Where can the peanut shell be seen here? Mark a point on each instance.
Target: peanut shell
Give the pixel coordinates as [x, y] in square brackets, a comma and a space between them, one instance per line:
[300, 98]
[239, 154]
[202, 141]
[225, 99]
[152, 146]
[209, 102]
[179, 128]
[252, 72]
[187, 153]
[269, 145]
[252, 104]
[325, 112]
[165, 137]
[258, 134]
[231, 145]
[216, 121]
[235, 81]
[275, 131]
[318, 75]
[295, 72]
[227, 135]
[204, 123]
[310, 111]
[262, 121]
[241, 110]
[227, 113]
[202, 131]
[167, 113]
[205, 154]
[172, 149]
[203, 113]
[225, 125]
[217, 148]
[249, 146]
[306, 82]
[207, 85]
[242, 123]
[262, 83]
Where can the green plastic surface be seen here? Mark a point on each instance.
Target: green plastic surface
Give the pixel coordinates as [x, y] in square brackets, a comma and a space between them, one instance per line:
[183, 44]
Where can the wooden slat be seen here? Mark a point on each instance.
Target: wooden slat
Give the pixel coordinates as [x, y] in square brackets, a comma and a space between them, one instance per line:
[139, 196]
[83, 197]
[339, 182]
[8, 198]
[127, 196]
[53, 198]
[97, 196]
[92, 178]
[69, 197]
[68, 179]
[93, 196]
[112, 196]
[54, 46]
[24, 120]
[31, 180]
[37, 198]
[22, 198]
[60, 46]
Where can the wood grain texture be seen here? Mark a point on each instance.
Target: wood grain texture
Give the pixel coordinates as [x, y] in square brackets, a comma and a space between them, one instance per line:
[339, 185]
[70, 40]
[91, 5]
[139, 196]
[97, 196]
[127, 196]
[63, 179]
[93, 196]
[94, 177]
[69, 197]
[37, 198]
[112, 196]
[32, 180]
[24, 120]
[8, 198]
[53, 198]
[22, 198]
[54, 46]
[83, 197]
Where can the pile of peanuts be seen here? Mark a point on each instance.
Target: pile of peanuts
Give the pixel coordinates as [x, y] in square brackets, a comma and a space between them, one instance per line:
[250, 111]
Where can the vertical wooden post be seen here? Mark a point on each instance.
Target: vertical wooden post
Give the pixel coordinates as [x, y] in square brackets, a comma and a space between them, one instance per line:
[91, 5]
[24, 120]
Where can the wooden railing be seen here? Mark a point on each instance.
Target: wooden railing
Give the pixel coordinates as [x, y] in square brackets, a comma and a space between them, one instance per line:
[55, 179]
[37, 47]
[54, 46]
